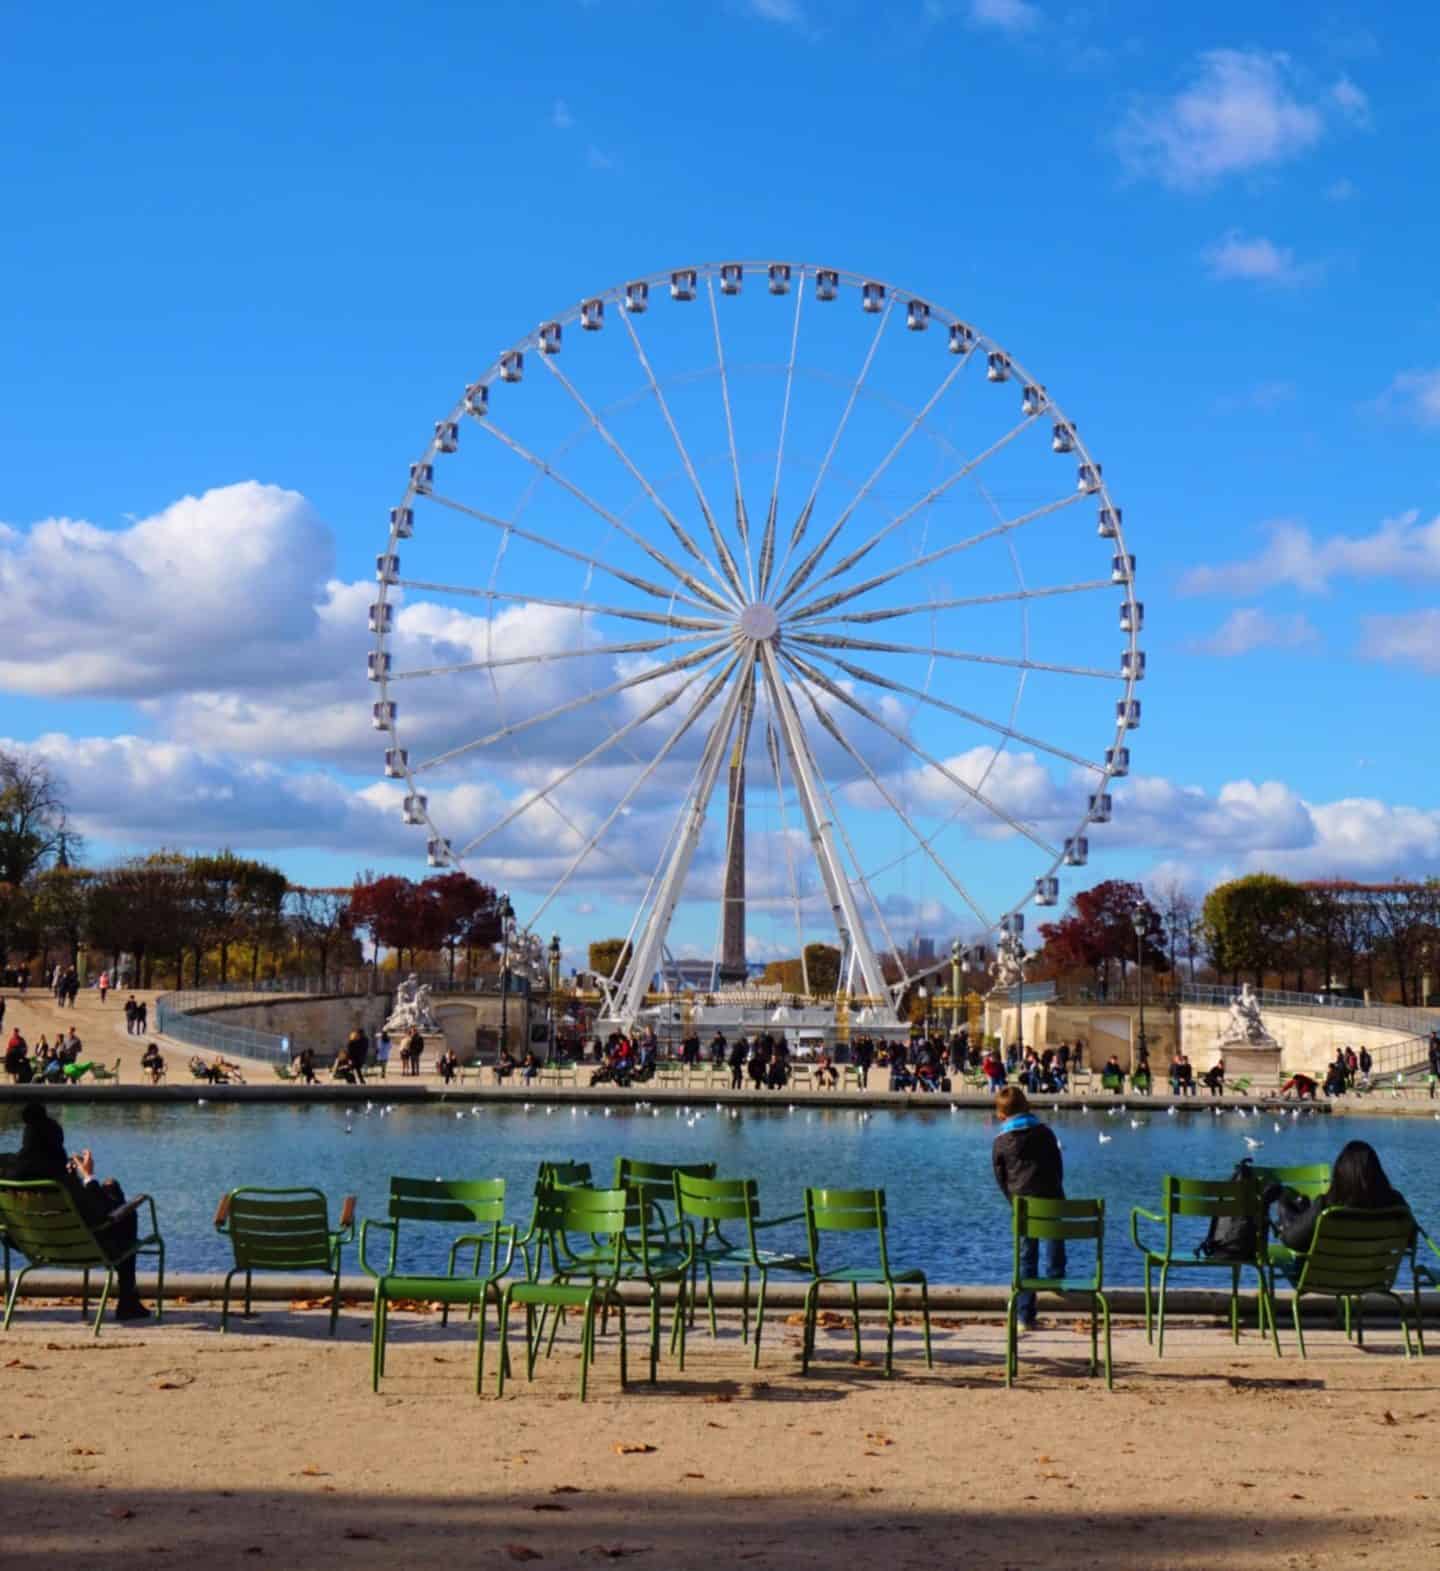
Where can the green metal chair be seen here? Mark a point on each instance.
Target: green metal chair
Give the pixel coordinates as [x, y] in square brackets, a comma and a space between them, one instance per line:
[1112, 1080]
[1310, 1179]
[602, 1215]
[1422, 1274]
[856, 1211]
[1355, 1252]
[1201, 1199]
[705, 1206]
[283, 1230]
[475, 1205]
[1082, 1221]
[40, 1220]
[570, 1175]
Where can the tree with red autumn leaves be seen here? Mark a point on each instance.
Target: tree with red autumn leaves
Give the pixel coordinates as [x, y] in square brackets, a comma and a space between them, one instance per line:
[1099, 929]
[450, 911]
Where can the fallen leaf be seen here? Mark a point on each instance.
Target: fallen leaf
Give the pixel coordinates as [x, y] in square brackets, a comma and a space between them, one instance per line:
[311, 1471]
[170, 1385]
[548, 1505]
[719, 1396]
[632, 1447]
[85, 1451]
[615, 1551]
[1387, 1417]
[16, 1363]
[878, 1439]
[523, 1552]
[20, 1434]
[692, 1475]
[361, 1533]
[120, 1513]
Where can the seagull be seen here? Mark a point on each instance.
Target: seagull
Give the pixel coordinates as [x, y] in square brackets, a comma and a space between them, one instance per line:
[1106, 1139]
[1277, 1129]
[458, 1115]
[1084, 1108]
[1111, 1112]
[1170, 1112]
[1137, 1123]
[1253, 1144]
[1294, 1112]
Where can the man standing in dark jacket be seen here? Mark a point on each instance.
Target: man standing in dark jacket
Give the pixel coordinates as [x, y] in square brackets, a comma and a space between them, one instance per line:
[1027, 1161]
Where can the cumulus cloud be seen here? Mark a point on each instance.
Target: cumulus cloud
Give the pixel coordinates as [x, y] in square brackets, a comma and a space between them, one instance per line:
[1248, 629]
[1242, 110]
[789, 13]
[1352, 101]
[161, 604]
[1402, 548]
[1410, 638]
[1008, 16]
[1413, 396]
[1257, 260]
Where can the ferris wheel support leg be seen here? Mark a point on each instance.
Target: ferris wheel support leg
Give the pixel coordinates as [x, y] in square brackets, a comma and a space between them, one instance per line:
[632, 992]
[837, 884]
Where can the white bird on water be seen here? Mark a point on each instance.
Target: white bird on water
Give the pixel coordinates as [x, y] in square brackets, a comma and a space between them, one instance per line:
[1106, 1139]
[1137, 1123]
[1277, 1129]
[1170, 1112]
[1253, 1144]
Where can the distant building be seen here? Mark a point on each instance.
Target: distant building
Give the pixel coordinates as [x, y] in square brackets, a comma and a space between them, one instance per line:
[924, 949]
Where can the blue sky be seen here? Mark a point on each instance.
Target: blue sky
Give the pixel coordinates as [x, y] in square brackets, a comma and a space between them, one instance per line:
[254, 246]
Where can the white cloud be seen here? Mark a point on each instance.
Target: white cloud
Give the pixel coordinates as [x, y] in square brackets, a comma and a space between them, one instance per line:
[560, 116]
[158, 605]
[1243, 110]
[1351, 101]
[1401, 548]
[595, 158]
[1413, 396]
[1342, 190]
[1409, 638]
[1249, 628]
[1257, 260]
[1009, 16]
[789, 13]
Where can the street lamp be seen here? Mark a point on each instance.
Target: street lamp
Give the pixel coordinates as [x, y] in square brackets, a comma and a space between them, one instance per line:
[1140, 917]
[507, 929]
[554, 986]
[956, 956]
[923, 993]
[1013, 928]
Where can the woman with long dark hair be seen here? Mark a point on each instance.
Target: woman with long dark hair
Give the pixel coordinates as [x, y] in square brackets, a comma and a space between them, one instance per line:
[1357, 1181]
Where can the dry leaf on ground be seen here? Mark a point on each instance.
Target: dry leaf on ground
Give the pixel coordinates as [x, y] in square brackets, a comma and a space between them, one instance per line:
[523, 1552]
[632, 1447]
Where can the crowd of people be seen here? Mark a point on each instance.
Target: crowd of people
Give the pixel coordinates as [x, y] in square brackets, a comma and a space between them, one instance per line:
[51, 1063]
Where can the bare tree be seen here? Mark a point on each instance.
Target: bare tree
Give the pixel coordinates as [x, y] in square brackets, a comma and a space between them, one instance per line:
[34, 827]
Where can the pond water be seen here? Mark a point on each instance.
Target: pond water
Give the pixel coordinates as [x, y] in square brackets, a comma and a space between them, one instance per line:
[946, 1214]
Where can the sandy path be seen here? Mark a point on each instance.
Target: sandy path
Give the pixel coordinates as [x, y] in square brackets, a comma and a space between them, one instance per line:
[178, 1447]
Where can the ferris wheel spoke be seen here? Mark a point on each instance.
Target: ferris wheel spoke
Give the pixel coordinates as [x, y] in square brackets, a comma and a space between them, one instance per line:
[859, 869]
[656, 555]
[815, 556]
[772, 747]
[704, 699]
[597, 695]
[924, 842]
[742, 519]
[717, 539]
[810, 673]
[926, 607]
[735, 806]
[636, 647]
[802, 520]
[1007, 526]
[658, 707]
[587, 607]
[682, 535]
[889, 684]
[767, 543]
[880, 646]
[802, 573]
[658, 591]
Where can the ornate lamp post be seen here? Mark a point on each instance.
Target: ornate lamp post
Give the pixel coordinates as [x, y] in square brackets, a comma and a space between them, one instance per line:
[507, 934]
[1140, 917]
[923, 993]
[554, 986]
[1010, 967]
[956, 955]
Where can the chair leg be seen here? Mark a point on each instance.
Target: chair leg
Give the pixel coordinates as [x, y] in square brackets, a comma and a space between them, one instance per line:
[1149, 1319]
[480, 1344]
[587, 1340]
[249, 1283]
[807, 1332]
[1267, 1299]
[855, 1316]
[13, 1294]
[1164, 1279]
[744, 1301]
[377, 1340]
[160, 1282]
[104, 1299]
[1012, 1358]
[504, 1344]
[759, 1312]
[684, 1301]
[889, 1328]
[1105, 1310]
[624, 1372]
[1235, 1304]
[654, 1332]
[1094, 1330]
[532, 1341]
[925, 1320]
[225, 1303]
[335, 1299]
[1404, 1324]
[1295, 1315]
[85, 1292]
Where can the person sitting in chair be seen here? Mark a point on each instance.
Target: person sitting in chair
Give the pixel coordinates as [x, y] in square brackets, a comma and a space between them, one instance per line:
[342, 1068]
[152, 1063]
[1214, 1077]
[827, 1077]
[103, 1206]
[504, 1064]
[447, 1064]
[529, 1069]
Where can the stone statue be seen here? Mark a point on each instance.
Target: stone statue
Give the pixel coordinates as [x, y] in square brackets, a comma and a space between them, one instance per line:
[412, 1011]
[1008, 966]
[1245, 1027]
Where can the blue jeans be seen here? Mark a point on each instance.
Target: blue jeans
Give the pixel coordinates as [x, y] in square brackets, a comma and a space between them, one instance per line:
[1029, 1266]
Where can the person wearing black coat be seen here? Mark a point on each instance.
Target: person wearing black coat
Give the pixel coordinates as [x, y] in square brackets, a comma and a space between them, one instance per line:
[103, 1206]
[1027, 1161]
[1357, 1181]
[739, 1051]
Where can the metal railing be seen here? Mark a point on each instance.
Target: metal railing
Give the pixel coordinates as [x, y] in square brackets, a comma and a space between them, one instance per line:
[1320, 1006]
[174, 1018]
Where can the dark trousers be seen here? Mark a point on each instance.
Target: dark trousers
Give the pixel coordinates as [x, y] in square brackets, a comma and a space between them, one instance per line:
[115, 1238]
[737, 1076]
[1029, 1266]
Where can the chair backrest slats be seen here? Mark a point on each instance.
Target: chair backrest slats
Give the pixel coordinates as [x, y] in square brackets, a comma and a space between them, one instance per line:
[1355, 1251]
[717, 1199]
[39, 1219]
[464, 1200]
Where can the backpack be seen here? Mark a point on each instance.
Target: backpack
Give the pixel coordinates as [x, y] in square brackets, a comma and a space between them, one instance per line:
[1231, 1237]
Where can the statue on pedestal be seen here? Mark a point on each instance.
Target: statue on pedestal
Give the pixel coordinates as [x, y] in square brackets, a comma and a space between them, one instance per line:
[1245, 1028]
[412, 1011]
[1008, 966]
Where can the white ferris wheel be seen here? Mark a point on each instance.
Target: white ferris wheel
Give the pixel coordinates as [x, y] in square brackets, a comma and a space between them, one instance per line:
[765, 536]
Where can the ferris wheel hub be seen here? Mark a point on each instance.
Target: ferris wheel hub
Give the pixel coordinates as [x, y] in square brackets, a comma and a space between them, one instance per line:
[759, 622]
